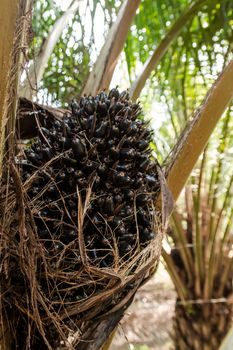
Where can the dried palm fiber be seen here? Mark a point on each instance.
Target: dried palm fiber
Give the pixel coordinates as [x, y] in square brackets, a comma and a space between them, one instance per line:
[80, 230]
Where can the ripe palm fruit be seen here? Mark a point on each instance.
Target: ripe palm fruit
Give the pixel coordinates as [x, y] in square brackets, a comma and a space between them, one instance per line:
[103, 145]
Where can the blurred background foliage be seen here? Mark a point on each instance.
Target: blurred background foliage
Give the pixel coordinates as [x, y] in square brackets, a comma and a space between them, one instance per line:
[191, 64]
[77, 48]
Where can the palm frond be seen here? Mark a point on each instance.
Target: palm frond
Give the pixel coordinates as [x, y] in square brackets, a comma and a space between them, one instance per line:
[38, 66]
[195, 136]
[77, 45]
[164, 45]
[101, 74]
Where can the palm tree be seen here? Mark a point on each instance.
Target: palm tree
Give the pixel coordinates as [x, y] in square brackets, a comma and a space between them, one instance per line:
[205, 120]
[200, 257]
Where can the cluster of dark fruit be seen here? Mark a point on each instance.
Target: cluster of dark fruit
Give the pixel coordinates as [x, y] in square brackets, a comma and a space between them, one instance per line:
[104, 146]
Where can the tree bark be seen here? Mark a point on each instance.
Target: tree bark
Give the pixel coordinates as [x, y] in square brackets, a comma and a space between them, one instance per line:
[8, 16]
[201, 327]
[29, 118]
[98, 332]
[14, 23]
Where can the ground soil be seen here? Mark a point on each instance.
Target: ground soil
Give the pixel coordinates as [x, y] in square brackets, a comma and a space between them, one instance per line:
[147, 324]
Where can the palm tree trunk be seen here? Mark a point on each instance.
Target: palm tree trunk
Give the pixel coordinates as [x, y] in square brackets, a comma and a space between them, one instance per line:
[8, 14]
[200, 326]
[13, 36]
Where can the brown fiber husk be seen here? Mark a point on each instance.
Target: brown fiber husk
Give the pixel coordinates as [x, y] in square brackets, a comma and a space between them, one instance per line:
[35, 312]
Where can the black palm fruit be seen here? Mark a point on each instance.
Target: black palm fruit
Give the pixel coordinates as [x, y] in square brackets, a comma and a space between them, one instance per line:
[104, 146]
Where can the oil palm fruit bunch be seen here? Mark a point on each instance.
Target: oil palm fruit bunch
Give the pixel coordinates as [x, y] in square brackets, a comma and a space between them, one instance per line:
[100, 148]
[88, 183]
